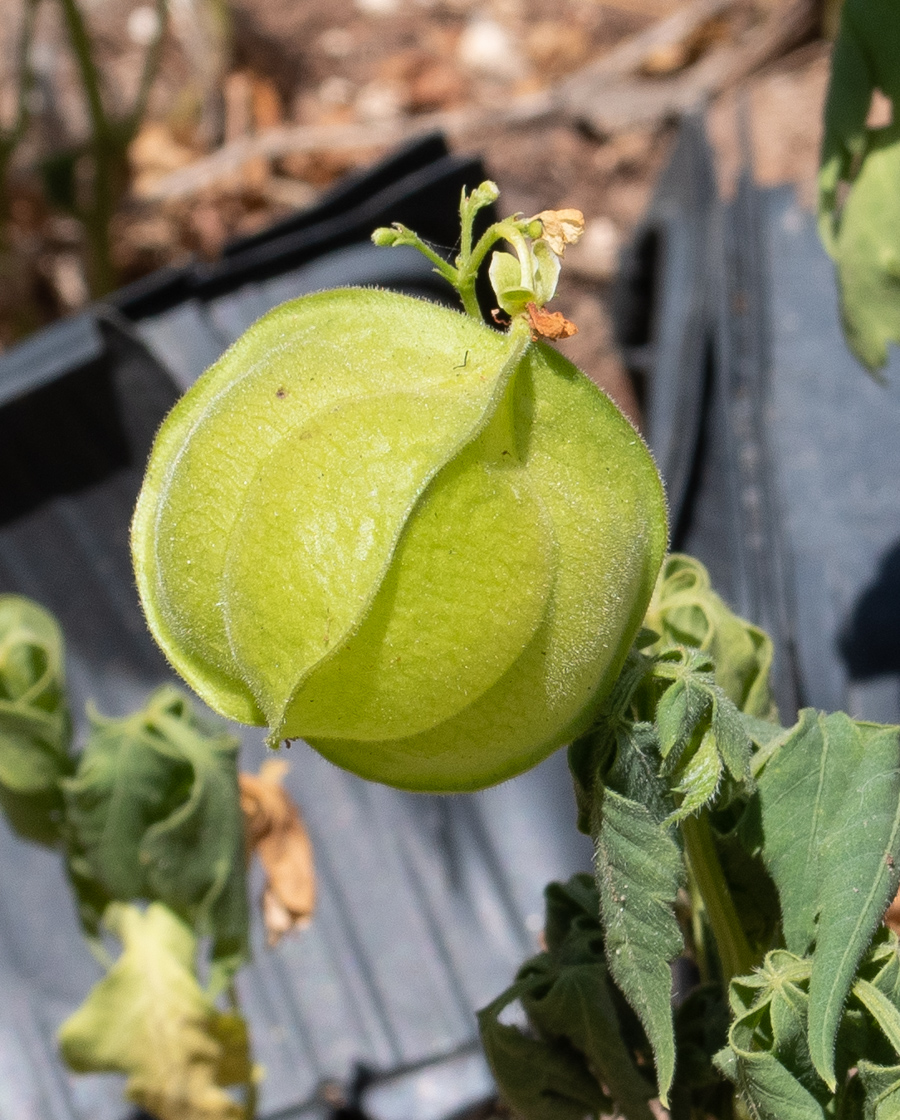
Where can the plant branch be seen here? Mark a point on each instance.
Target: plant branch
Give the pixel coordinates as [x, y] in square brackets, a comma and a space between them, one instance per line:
[735, 954]
[87, 69]
[151, 62]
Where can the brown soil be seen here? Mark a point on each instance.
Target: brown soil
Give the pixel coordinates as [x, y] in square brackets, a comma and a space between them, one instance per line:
[228, 74]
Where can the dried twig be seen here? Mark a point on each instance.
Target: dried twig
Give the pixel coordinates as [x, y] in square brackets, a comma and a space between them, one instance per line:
[605, 95]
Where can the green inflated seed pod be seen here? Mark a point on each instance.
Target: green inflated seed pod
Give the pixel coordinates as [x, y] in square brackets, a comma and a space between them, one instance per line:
[421, 545]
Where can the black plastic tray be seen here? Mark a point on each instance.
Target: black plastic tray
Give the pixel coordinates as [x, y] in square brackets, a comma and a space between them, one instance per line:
[781, 456]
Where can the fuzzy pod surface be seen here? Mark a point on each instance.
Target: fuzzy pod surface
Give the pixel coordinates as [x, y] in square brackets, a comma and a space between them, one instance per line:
[420, 545]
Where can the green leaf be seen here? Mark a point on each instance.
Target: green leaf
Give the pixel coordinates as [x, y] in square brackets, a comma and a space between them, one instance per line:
[882, 1010]
[882, 1089]
[35, 727]
[830, 806]
[540, 1081]
[575, 1032]
[862, 234]
[639, 868]
[155, 813]
[149, 1018]
[699, 779]
[681, 710]
[574, 1003]
[686, 611]
[701, 732]
[767, 1055]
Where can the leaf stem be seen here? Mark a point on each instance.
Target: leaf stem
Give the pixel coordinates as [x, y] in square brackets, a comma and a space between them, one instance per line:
[735, 954]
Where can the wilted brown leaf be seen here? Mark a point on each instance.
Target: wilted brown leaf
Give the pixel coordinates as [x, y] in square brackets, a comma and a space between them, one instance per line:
[275, 832]
[552, 325]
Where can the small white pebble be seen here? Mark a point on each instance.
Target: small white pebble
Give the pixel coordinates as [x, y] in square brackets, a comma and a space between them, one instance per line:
[378, 7]
[336, 42]
[378, 102]
[486, 47]
[142, 25]
[336, 90]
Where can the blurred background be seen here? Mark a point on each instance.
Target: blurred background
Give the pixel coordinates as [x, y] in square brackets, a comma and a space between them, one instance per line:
[136, 134]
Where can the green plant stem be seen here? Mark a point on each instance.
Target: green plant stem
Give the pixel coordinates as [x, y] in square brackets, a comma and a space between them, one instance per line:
[90, 77]
[735, 954]
[469, 265]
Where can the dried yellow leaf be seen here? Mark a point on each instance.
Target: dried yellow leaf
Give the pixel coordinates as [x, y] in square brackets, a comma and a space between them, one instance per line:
[561, 228]
[276, 833]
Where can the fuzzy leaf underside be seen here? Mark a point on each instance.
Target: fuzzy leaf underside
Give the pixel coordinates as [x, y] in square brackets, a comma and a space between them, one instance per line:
[154, 812]
[830, 806]
[149, 1019]
[639, 869]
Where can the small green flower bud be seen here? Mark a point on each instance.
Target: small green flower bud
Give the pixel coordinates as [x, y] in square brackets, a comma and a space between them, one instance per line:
[385, 236]
[484, 194]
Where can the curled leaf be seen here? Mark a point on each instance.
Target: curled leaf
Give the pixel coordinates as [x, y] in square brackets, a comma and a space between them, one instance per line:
[149, 1019]
[153, 811]
[686, 611]
[276, 833]
[560, 228]
[35, 727]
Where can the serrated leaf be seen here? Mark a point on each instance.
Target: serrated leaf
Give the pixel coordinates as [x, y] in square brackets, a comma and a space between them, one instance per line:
[732, 738]
[155, 813]
[35, 727]
[149, 1019]
[830, 805]
[699, 780]
[639, 869]
[681, 708]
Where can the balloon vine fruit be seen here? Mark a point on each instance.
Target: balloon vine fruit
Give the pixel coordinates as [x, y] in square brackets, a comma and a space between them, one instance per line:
[420, 544]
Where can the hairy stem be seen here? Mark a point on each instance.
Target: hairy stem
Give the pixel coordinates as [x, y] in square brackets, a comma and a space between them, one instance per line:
[735, 954]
